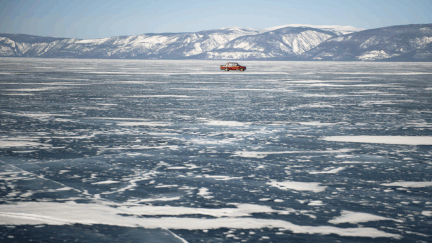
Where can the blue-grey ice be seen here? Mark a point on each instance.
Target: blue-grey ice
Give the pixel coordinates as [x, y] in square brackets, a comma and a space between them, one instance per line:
[179, 151]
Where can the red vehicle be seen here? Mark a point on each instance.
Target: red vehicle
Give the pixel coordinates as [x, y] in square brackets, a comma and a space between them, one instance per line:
[232, 66]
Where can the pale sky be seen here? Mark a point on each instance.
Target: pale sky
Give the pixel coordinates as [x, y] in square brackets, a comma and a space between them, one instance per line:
[105, 18]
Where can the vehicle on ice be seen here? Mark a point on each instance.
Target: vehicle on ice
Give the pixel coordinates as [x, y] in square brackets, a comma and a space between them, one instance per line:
[232, 66]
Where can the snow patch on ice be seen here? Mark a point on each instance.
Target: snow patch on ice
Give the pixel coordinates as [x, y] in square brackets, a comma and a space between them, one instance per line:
[328, 171]
[298, 186]
[317, 123]
[316, 203]
[355, 217]
[222, 177]
[105, 182]
[412, 184]
[30, 89]
[226, 123]
[157, 96]
[399, 140]
[203, 192]
[22, 142]
[263, 154]
[36, 213]
[147, 124]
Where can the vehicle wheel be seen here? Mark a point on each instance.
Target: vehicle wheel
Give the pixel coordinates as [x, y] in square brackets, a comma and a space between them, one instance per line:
[226, 69]
[242, 69]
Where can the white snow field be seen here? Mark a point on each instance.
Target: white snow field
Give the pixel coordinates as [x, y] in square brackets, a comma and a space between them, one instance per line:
[180, 151]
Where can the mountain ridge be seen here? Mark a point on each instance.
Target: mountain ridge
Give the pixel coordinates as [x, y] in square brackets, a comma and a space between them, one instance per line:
[393, 43]
[287, 42]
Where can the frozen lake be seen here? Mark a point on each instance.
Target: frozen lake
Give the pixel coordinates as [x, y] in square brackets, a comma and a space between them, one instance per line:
[179, 151]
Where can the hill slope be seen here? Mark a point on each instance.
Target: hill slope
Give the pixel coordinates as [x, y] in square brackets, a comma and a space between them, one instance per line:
[283, 43]
[290, 42]
[277, 42]
[395, 43]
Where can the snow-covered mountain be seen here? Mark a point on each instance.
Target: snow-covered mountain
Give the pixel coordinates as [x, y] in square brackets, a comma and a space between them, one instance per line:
[280, 43]
[225, 43]
[146, 46]
[289, 42]
[395, 43]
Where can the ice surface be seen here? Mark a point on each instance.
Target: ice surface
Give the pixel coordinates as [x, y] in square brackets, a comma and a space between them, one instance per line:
[69, 213]
[283, 152]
